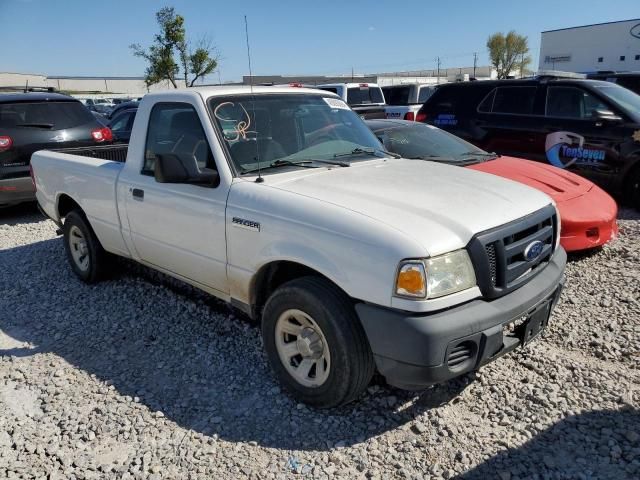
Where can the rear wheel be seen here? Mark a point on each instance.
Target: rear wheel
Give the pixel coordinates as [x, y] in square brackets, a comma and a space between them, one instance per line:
[85, 254]
[315, 343]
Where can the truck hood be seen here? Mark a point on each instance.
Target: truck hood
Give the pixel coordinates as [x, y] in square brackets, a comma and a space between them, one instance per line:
[555, 182]
[440, 206]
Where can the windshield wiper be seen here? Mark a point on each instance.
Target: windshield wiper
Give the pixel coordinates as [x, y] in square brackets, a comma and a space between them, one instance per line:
[280, 163]
[433, 157]
[366, 151]
[35, 125]
[479, 154]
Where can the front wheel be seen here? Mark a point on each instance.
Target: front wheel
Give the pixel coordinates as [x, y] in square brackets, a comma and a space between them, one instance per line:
[315, 343]
[88, 259]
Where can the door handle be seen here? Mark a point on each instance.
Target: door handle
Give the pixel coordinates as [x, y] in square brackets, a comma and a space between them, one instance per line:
[138, 193]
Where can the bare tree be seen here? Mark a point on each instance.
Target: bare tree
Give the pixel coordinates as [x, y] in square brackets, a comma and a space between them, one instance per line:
[161, 55]
[505, 51]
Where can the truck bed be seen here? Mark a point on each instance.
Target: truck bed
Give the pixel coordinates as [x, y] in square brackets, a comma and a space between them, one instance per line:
[115, 153]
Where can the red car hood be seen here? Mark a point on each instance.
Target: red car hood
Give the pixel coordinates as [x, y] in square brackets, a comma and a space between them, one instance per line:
[555, 182]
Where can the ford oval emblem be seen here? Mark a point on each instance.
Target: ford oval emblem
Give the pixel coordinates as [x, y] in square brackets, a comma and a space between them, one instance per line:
[533, 250]
[635, 31]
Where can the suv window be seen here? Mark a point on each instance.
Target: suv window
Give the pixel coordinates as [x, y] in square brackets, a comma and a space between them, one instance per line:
[121, 121]
[424, 94]
[515, 100]
[176, 129]
[572, 102]
[364, 95]
[397, 95]
[51, 115]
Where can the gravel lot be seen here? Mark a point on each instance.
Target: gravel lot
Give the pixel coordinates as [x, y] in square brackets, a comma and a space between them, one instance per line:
[142, 377]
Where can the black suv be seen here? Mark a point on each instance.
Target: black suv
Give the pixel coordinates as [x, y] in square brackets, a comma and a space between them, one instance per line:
[37, 121]
[630, 80]
[587, 126]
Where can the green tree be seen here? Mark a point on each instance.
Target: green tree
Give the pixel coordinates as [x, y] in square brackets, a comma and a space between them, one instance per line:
[508, 51]
[170, 42]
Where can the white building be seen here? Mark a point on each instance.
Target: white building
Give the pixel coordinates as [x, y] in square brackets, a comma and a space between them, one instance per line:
[132, 86]
[590, 48]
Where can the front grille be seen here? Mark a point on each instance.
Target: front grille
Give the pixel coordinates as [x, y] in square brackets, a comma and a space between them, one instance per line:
[491, 258]
[499, 258]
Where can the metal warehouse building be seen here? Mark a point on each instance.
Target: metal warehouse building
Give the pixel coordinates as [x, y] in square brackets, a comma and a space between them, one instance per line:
[589, 48]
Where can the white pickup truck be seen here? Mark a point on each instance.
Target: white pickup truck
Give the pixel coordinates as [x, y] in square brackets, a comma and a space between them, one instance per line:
[405, 100]
[282, 202]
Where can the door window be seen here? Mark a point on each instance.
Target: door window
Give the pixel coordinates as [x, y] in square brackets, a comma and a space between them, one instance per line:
[174, 128]
[120, 123]
[514, 100]
[572, 102]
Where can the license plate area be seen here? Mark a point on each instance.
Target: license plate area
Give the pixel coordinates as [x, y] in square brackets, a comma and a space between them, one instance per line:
[530, 325]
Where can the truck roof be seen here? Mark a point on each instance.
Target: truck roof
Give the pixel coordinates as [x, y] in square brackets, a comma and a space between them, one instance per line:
[223, 90]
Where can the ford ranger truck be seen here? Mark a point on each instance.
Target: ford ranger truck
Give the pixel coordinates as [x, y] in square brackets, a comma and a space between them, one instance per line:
[282, 202]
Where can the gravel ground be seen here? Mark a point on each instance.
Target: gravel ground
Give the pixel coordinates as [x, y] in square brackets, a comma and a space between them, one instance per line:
[142, 377]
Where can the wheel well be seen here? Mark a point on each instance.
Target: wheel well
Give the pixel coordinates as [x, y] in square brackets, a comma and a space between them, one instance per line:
[66, 204]
[629, 176]
[272, 276]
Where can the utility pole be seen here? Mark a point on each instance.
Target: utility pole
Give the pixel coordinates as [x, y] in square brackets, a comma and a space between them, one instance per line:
[475, 63]
[351, 73]
[438, 60]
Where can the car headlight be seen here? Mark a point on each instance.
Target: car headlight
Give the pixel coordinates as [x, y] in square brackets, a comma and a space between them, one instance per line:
[435, 277]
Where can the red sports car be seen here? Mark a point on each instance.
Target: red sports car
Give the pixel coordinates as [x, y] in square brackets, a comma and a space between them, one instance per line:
[587, 213]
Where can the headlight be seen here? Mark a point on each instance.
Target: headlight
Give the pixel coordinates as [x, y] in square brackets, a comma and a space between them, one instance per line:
[435, 277]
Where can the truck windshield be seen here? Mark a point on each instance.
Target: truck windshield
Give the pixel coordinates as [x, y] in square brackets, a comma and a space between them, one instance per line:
[420, 141]
[622, 97]
[286, 129]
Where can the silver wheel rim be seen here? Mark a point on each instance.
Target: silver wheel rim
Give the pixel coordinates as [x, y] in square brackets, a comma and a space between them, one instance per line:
[79, 248]
[302, 348]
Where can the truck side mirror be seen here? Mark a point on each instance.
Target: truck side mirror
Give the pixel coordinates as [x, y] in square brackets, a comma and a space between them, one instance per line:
[172, 168]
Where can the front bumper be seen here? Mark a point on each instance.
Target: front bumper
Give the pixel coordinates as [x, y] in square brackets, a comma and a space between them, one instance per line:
[416, 350]
[16, 190]
[588, 221]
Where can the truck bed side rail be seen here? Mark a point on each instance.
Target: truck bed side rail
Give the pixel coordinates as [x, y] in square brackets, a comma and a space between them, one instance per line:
[115, 153]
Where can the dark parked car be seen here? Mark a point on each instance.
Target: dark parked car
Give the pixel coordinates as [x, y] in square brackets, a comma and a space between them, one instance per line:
[123, 106]
[589, 127]
[121, 124]
[37, 121]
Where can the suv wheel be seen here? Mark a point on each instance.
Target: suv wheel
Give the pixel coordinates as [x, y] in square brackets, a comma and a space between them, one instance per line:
[315, 343]
[632, 190]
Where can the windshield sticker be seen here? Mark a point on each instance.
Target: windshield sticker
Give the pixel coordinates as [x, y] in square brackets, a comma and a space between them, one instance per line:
[445, 119]
[335, 103]
[233, 128]
[563, 149]
[636, 136]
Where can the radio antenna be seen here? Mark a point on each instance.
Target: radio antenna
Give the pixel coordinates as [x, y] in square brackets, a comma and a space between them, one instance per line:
[253, 100]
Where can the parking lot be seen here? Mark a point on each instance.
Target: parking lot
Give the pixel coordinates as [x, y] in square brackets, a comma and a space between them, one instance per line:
[143, 377]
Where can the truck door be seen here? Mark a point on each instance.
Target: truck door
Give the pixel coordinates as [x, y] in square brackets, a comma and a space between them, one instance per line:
[178, 227]
[576, 137]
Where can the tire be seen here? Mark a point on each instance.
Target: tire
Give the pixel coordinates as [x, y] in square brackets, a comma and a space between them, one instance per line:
[632, 189]
[343, 360]
[87, 258]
